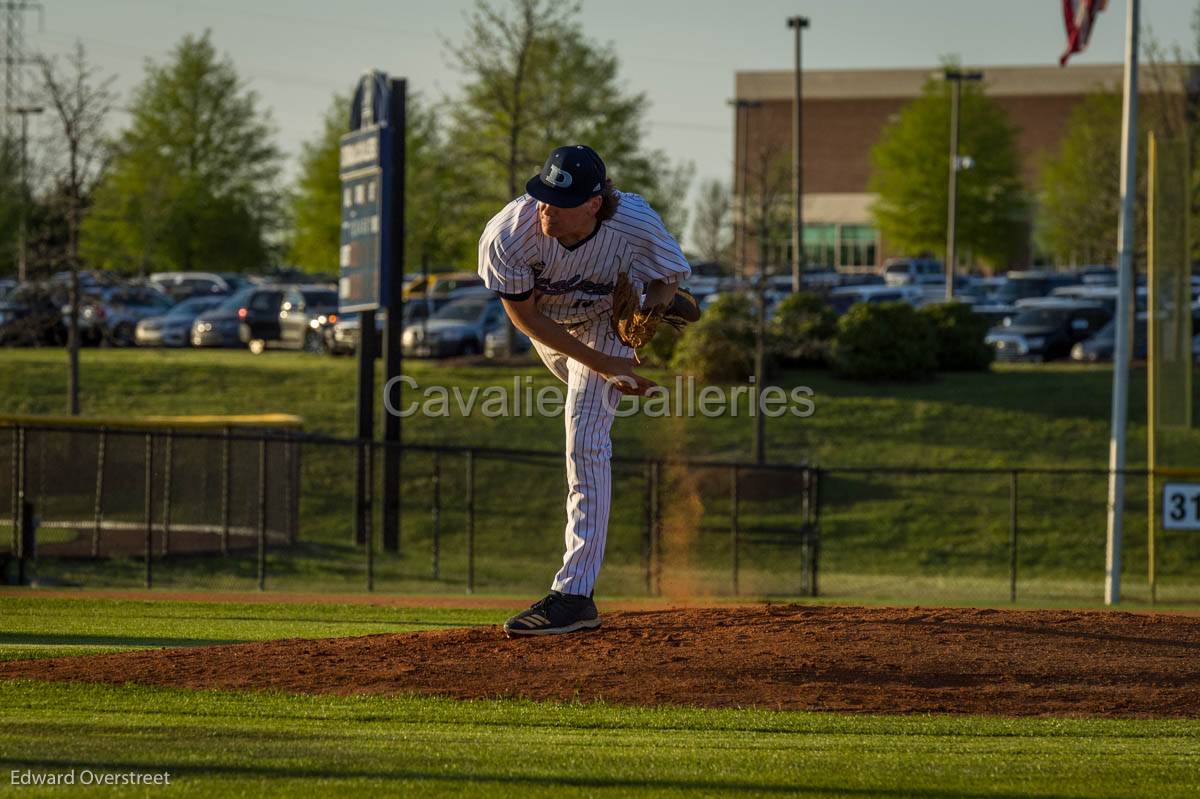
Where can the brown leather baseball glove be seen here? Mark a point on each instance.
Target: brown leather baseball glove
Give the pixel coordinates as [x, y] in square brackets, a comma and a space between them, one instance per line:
[635, 325]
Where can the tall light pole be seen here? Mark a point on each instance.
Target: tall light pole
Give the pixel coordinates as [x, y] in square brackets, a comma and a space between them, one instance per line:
[798, 24]
[22, 233]
[742, 124]
[956, 77]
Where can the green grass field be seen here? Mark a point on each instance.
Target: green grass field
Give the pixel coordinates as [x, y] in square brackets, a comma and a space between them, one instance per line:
[884, 536]
[252, 744]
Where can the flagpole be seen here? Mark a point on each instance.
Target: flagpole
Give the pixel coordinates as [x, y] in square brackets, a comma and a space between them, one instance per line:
[1120, 392]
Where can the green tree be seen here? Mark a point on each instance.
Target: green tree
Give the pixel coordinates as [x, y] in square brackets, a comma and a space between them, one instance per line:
[910, 174]
[432, 238]
[1079, 196]
[10, 204]
[534, 81]
[193, 183]
[316, 207]
[712, 230]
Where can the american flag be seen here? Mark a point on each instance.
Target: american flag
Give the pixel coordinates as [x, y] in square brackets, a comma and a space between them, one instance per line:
[1079, 16]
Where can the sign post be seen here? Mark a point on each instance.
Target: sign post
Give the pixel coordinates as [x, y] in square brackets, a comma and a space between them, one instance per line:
[370, 263]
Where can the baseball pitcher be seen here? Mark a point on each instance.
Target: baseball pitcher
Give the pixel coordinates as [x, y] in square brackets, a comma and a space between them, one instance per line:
[588, 273]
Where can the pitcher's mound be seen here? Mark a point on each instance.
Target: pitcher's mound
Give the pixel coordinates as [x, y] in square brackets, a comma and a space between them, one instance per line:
[845, 659]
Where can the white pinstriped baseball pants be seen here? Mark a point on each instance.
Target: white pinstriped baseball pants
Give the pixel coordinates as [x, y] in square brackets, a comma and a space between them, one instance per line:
[588, 419]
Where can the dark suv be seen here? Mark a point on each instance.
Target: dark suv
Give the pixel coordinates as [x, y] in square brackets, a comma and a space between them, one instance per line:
[1046, 331]
[304, 312]
[235, 321]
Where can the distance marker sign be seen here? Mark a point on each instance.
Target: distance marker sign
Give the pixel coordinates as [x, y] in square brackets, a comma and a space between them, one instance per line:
[1181, 506]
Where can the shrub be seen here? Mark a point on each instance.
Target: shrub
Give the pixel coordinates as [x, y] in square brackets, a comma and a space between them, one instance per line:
[662, 347]
[720, 346]
[959, 334]
[888, 341]
[802, 330]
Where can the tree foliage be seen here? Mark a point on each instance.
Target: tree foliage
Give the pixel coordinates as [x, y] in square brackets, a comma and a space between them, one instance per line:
[534, 81]
[10, 204]
[316, 207]
[712, 230]
[1079, 195]
[193, 183]
[911, 175]
[432, 239]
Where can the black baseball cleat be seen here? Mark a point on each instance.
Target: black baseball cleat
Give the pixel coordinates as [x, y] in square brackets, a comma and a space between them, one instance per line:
[556, 613]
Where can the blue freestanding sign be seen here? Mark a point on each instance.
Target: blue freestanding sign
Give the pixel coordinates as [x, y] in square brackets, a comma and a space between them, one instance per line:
[366, 169]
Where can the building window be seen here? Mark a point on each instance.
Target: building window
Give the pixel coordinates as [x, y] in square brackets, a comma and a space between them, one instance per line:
[819, 243]
[857, 245]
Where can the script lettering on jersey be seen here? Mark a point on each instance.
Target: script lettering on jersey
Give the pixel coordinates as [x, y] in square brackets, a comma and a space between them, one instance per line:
[567, 285]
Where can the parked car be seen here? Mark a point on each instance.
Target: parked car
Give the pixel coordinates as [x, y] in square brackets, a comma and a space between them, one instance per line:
[1022, 285]
[181, 285]
[173, 329]
[110, 315]
[842, 298]
[219, 327]
[440, 284]
[304, 313]
[1100, 294]
[6, 287]
[1100, 347]
[1046, 331]
[31, 316]
[495, 343]
[259, 320]
[913, 271]
[341, 338]
[456, 329]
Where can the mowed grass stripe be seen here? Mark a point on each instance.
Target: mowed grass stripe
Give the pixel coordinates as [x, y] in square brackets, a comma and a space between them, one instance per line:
[279, 745]
[43, 627]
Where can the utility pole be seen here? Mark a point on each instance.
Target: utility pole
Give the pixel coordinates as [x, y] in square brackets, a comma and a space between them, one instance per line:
[22, 231]
[956, 77]
[798, 24]
[742, 113]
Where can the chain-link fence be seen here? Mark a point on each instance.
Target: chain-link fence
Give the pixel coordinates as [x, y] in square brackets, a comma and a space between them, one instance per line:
[205, 510]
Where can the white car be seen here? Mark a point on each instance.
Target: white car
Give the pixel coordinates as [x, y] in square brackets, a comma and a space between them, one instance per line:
[913, 271]
[841, 299]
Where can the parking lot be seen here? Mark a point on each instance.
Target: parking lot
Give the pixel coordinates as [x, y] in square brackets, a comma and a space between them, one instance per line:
[1033, 316]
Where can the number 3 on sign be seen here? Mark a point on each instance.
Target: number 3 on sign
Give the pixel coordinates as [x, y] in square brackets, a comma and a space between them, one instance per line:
[1181, 506]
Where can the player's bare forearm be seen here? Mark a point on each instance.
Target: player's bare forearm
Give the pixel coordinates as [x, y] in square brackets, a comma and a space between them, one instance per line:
[530, 321]
[659, 292]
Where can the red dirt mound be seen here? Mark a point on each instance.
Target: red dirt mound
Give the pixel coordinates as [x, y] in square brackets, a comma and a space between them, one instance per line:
[845, 659]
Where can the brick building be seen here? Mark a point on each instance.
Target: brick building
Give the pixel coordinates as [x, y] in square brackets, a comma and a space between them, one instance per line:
[844, 113]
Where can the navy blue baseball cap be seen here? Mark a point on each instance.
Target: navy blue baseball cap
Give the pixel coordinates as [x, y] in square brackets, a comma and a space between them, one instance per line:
[572, 175]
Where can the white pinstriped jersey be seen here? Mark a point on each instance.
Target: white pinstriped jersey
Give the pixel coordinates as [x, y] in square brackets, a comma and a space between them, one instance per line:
[575, 284]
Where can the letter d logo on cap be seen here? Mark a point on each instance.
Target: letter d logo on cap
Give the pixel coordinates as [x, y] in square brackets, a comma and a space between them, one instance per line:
[557, 177]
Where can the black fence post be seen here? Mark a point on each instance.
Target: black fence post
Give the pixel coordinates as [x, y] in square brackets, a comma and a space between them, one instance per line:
[285, 448]
[166, 522]
[1012, 536]
[656, 531]
[98, 506]
[470, 521]
[734, 529]
[262, 514]
[28, 542]
[18, 455]
[648, 526]
[226, 485]
[149, 509]
[369, 513]
[436, 513]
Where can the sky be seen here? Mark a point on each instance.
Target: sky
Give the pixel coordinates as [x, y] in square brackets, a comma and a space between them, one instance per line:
[682, 54]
